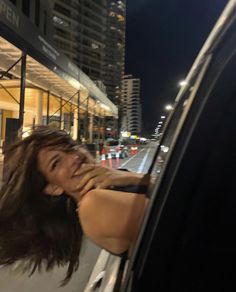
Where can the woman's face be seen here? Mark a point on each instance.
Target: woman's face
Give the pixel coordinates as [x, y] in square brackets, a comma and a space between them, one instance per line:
[59, 168]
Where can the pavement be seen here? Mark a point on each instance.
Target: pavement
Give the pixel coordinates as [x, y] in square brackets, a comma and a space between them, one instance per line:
[12, 279]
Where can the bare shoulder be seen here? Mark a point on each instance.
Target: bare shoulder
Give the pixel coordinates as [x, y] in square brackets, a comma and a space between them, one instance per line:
[92, 208]
[92, 199]
[104, 198]
[111, 218]
[99, 200]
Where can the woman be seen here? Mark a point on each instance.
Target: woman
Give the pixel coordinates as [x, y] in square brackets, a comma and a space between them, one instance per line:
[53, 193]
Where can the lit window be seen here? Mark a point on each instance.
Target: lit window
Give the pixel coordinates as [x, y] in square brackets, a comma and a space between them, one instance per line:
[94, 46]
[60, 21]
[120, 17]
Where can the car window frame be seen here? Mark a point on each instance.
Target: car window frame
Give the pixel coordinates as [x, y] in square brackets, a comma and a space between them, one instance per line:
[183, 116]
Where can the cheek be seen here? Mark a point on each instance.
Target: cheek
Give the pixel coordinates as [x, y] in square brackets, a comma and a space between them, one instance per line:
[62, 176]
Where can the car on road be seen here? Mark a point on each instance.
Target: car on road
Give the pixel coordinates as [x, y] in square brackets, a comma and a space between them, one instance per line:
[187, 241]
[116, 148]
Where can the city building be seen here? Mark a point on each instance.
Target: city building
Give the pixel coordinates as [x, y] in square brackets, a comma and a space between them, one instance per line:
[80, 33]
[92, 34]
[39, 84]
[115, 49]
[38, 12]
[131, 105]
[115, 58]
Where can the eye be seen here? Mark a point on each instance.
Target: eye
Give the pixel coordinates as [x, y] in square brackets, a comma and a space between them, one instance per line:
[55, 163]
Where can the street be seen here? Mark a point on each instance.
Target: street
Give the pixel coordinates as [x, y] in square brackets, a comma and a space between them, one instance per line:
[12, 279]
[139, 162]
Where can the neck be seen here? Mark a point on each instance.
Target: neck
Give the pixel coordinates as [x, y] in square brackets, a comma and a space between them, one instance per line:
[76, 196]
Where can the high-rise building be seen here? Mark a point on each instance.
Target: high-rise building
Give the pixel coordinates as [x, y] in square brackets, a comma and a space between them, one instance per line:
[39, 12]
[80, 33]
[131, 105]
[92, 34]
[115, 49]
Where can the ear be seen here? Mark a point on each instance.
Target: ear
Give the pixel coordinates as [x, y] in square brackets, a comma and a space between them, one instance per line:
[53, 190]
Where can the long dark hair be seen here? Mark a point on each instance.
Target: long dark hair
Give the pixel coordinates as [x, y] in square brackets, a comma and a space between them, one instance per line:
[35, 227]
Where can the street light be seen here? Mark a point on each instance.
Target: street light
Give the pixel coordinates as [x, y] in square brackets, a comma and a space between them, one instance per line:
[183, 83]
[168, 107]
[163, 117]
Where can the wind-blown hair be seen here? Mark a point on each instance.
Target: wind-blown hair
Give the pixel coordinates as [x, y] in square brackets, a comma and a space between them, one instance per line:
[35, 227]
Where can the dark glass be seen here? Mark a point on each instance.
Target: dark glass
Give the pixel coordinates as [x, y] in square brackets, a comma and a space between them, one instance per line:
[45, 22]
[13, 2]
[37, 11]
[26, 7]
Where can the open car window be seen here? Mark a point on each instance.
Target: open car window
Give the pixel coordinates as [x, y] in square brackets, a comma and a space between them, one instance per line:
[174, 124]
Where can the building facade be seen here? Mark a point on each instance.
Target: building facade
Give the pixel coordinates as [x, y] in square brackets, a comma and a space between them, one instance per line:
[39, 84]
[131, 105]
[115, 49]
[39, 12]
[92, 34]
[80, 33]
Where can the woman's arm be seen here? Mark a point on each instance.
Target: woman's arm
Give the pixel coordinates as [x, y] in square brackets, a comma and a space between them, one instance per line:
[112, 219]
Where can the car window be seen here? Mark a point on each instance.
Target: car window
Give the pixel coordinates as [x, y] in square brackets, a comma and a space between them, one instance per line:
[174, 124]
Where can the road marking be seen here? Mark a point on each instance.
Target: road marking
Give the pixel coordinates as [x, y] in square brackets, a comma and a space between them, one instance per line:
[140, 169]
[131, 158]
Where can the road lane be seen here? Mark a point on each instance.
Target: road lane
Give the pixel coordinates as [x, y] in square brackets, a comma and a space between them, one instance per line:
[142, 160]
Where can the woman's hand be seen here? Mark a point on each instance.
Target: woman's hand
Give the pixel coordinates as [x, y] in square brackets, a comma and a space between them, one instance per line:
[101, 177]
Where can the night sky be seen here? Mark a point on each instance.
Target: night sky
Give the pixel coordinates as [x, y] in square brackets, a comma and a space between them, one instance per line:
[163, 38]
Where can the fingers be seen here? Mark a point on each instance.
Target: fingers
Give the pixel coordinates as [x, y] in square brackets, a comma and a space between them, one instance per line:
[92, 183]
[118, 178]
[106, 183]
[85, 168]
[90, 176]
[114, 178]
[89, 167]
[97, 176]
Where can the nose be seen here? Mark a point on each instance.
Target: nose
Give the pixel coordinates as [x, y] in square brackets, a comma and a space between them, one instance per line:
[73, 161]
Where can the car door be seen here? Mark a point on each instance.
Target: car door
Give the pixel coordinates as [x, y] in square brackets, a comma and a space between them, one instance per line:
[187, 242]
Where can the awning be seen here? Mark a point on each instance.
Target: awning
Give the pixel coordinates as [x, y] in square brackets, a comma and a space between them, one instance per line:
[37, 75]
[47, 67]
